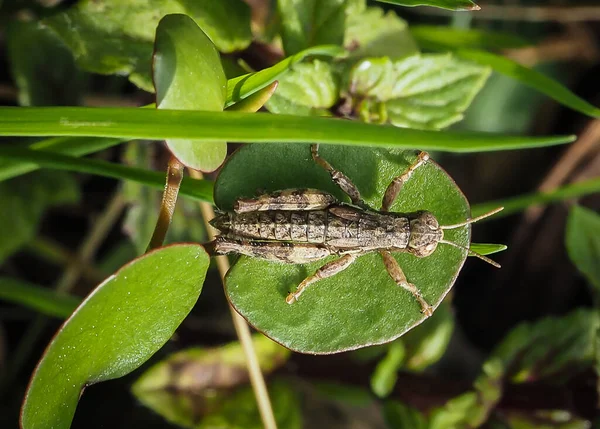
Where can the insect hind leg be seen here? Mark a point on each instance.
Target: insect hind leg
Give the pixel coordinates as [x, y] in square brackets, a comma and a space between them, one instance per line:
[291, 199]
[399, 277]
[277, 251]
[395, 186]
[327, 270]
[338, 177]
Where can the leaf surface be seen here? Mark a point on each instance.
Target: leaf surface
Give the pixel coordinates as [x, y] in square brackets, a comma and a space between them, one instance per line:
[123, 322]
[360, 306]
[583, 243]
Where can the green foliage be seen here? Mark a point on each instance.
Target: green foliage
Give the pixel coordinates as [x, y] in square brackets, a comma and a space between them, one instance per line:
[307, 23]
[361, 305]
[173, 389]
[186, 63]
[435, 37]
[25, 200]
[43, 68]
[420, 91]
[400, 416]
[115, 37]
[487, 249]
[583, 243]
[38, 298]
[444, 4]
[152, 294]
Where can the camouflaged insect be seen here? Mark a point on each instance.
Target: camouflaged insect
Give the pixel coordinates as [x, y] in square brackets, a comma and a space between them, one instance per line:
[299, 226]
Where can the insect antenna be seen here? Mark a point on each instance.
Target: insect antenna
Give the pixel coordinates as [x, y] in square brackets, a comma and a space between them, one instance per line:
[468, 221]
[472, 252]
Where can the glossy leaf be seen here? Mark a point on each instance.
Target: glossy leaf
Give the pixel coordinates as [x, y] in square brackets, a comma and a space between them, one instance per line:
[43, 68]
[583, 243]
[249, 127]
[116, 329]
[193, 384]
[243, 86]
[436, 37]
[426, 91]
[308, 89]
[531, 78]
[360, 306]
[24, 201]
[188, 76]
[307, 23]
[487, 249]
[115, 36]
[444, 4]
[374, 33]
[38, 298]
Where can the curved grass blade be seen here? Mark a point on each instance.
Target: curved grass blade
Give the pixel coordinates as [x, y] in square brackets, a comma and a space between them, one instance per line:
[435, 37]
[123, 322]
[487, 249]
[532, 78]
[193, 188]
[520, 203]
[443, 4]
[248, 127]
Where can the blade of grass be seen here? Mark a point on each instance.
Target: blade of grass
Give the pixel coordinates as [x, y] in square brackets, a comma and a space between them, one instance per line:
[40, 299]
[197, 189]
[532, 78]
[247, 127]
[520, 203]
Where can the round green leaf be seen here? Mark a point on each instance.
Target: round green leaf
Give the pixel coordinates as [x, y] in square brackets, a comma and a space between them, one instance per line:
[188, 75]
[360, 306]
[118, 327]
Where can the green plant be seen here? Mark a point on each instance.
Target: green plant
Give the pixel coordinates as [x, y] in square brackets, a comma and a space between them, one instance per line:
[318, 62]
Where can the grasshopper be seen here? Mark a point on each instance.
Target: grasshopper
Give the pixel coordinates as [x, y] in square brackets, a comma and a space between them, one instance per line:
[299, 226]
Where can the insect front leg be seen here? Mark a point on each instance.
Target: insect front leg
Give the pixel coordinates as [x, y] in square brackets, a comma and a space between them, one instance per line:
[339, 178]
[398, 276]
[396, 184]
[327, 270]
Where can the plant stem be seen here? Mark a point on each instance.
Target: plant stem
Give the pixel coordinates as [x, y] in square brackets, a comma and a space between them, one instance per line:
[167, 206]
[242, 329]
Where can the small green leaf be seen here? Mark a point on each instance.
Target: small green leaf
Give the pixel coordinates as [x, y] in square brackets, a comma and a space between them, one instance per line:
[42, 67]
[400, 416]
[173, 389]
[255, 101]
[375, 33]
[308, 89]
[428, 91]
[436, 37]
[457, 413]
[188, 76]
[115, 36]
[25, 200]
[487, 249]
[385, 375]
[116, 329]
[38, 298]
[307, 23]
[360, 306]
[531, 78]
[241, 87]
[444, 4]
[583, 243]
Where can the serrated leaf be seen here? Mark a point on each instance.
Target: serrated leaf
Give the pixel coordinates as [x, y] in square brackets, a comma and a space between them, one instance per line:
[360, 306]
[193, 384]
[25, 200]
[42, 67]
[188, 76]
[428, 91]
[375, 33]
[400, 416]
[116, 37]
[307, 89]
[240, 87]
[307, 23]
[444, 4]
[123, 322]
[583, 243]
